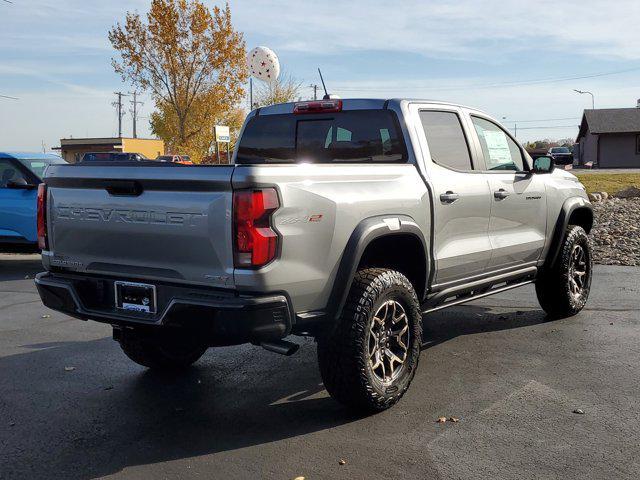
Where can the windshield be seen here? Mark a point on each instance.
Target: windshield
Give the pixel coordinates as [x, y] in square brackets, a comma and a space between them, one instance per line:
[38, 165]
[560, 150]
[348, 136]
[112, 157]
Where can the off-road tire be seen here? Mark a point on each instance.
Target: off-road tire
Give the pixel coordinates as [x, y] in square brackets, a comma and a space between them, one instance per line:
[163, 353]
[553, 287]
[343, 352]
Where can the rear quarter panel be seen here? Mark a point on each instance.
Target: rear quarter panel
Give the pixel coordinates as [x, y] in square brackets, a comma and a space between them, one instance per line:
[321, 205]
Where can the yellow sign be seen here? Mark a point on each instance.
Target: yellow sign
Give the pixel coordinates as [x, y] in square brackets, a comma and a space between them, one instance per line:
[222, 134]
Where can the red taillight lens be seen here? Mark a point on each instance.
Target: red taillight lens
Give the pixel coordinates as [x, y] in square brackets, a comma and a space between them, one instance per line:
[255, 242]
[42, 217]
[319, 106]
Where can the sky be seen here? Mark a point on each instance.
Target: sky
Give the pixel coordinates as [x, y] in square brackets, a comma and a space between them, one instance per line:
[517, 60]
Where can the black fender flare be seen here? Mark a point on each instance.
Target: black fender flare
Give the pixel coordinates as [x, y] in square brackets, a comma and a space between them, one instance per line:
[568, 207]
[365, 232]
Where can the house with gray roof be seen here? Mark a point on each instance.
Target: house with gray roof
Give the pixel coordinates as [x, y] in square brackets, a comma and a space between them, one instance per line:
[610, 138]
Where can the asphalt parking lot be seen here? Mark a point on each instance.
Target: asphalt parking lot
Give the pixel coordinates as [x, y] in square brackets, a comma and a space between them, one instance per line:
[72, 406]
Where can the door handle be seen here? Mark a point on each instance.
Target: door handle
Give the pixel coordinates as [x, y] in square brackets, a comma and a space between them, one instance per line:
[449, 197]
[501, 194]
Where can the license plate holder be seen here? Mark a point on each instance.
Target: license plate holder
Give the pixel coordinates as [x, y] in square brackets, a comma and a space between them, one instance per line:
[135, 297]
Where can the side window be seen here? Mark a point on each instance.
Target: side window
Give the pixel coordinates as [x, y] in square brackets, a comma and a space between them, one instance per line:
[10, 173]
[499, 150]
[342, 135]
[386, 140]
[447, 143]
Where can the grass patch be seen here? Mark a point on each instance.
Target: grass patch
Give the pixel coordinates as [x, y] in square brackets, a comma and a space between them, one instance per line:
[609, 182]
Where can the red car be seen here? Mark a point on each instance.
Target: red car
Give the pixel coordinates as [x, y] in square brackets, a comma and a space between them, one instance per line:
[183, 159]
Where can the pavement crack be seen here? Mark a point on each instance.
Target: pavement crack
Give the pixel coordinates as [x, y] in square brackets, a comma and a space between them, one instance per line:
[20, 303]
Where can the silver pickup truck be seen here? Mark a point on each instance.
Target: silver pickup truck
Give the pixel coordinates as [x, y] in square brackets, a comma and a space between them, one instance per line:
[345, 220]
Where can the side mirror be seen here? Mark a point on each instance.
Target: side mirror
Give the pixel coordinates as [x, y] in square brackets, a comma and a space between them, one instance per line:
[543, 165]
[21, 184]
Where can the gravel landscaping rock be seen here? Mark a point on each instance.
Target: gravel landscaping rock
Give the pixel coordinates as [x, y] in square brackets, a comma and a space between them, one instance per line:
[616, 233]
[629, 192]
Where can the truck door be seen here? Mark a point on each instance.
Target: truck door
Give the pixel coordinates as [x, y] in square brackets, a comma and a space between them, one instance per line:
[518, 223]
[461, 200]
[17, 205]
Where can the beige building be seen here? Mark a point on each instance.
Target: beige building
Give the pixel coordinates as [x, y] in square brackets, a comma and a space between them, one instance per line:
[72, 149]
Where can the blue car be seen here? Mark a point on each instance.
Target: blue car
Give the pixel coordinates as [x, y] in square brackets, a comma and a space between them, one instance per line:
[20, 174]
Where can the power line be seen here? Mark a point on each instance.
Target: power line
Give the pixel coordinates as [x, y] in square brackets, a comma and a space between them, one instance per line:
[8, 97]
[548, 127]
[543, 120]
[493, 85]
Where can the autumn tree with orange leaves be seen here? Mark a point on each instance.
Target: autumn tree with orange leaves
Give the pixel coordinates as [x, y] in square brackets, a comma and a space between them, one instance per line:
[192, 62]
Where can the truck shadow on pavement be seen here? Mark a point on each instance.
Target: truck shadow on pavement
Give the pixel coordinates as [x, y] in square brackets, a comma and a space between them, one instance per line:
[79, 410]
[18, 267]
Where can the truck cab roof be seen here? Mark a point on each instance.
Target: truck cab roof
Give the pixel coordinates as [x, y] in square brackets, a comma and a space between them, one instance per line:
[352, 104]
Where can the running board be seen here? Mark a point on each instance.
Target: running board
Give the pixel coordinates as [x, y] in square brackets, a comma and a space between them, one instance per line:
[471, 296]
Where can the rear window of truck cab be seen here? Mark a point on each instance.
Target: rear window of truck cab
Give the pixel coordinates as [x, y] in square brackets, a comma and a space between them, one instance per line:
[349, 136]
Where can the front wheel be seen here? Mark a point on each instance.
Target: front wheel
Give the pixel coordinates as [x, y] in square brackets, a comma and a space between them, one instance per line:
[564, 289]
[370, 357]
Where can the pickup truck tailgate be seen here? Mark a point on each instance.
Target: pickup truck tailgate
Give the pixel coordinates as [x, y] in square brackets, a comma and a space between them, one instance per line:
[167, 223]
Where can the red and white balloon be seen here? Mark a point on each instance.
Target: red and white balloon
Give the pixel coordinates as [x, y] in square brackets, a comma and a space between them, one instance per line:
[263, 64]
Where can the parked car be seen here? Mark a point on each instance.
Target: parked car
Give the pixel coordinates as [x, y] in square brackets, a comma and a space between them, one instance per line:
[352, 222]
[182, 159]
[20, 175]
[561, 155]
[113, 157]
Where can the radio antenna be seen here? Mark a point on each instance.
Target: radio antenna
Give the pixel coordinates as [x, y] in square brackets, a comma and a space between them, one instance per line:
[326, 94]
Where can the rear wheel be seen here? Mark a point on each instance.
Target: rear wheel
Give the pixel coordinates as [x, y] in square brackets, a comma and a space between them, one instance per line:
[164, 353]
[564, 289]
[369, 359]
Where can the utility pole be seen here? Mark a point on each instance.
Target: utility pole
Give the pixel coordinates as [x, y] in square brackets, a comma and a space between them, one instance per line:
[250, 93]
[515, 127]
[118, 105]
[315, 90]
[134, 111]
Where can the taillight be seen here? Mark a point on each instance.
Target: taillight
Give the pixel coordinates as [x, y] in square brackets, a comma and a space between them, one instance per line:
[42, 217]
[255, 242]
[318, 106]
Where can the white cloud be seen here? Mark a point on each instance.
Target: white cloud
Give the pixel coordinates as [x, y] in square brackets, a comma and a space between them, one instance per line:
[60, 49]
[461, 29]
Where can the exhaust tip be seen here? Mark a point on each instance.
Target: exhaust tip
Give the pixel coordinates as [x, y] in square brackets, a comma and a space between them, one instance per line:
[281, 346]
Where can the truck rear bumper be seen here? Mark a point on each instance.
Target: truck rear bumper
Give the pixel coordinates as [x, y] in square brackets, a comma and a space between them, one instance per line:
[224, 317]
